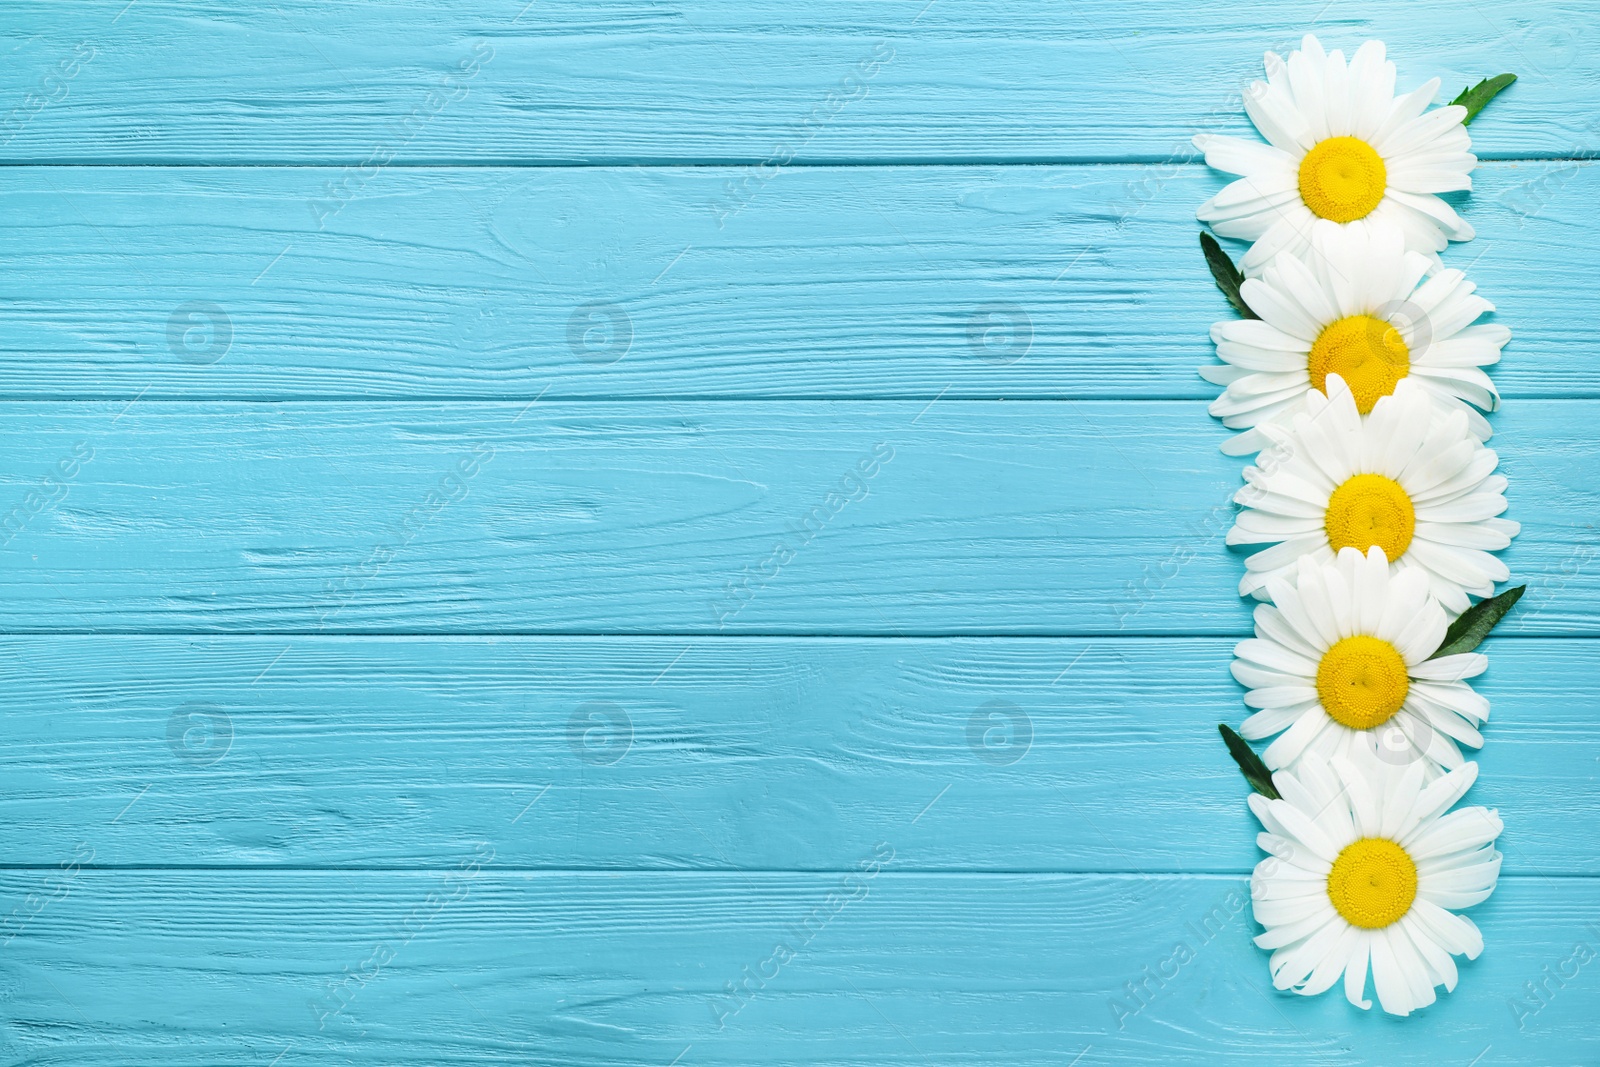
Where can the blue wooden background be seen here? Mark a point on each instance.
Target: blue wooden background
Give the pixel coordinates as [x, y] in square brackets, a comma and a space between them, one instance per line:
[666, 533]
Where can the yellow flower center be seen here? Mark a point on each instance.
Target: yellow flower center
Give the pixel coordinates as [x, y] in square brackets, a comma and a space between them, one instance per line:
[1343, 179]
[1373, 883]
[1368, 510]
[1366, 352]
[1362, 682]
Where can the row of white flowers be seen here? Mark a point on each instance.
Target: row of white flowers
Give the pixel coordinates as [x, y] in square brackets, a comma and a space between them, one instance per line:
[1358, 384]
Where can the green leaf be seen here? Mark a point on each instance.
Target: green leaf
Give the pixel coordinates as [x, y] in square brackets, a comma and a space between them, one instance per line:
[1255, 772]
[1474, 98]
[1468, 632]
[1227, 276]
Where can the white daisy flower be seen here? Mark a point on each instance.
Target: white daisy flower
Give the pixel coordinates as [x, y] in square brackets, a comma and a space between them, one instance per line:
[1340, 668]
[1409, 479]
[1364, 867]
[1340, 146]
[1354, 308]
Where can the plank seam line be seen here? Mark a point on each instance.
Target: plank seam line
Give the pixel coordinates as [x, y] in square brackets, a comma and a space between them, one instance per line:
[727, 872]
[619, 635]
[693, 163]
[641, 401]
[336, 399]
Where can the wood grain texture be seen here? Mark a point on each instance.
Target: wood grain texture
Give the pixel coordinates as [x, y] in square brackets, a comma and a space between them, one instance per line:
[735, 80]
[726, 753]
[508, 516]
[850, 282]
[900, 518]
[484, 967]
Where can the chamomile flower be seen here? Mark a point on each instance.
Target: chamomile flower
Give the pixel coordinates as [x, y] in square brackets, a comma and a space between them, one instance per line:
[1340, 146]
[1339, 667]
[1357, 307]
[1365, 870]
[1409, 479]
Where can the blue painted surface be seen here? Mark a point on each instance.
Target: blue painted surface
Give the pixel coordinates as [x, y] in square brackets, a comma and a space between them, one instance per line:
[396, 661]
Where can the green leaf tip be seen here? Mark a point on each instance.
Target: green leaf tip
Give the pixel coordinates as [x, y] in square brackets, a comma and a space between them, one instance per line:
[1225, 274]
[1468, 632]
[1474, 98]
[1255, 772]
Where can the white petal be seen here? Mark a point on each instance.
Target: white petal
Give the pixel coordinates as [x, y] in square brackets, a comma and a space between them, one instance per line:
[1235, 155]
[1355, 972]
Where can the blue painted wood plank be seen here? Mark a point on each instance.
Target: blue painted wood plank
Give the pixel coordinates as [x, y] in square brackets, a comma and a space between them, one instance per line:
[995, 933]
[726, 753]
[861, 517]
[1082, 282]
[902, 518]
[478, 967]
[563, 81]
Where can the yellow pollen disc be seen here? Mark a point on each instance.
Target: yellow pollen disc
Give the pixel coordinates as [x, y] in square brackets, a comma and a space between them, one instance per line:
[1343, 179]
[1373, 883]
[1362, 681]
[1366, 352]
[1368, 510]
